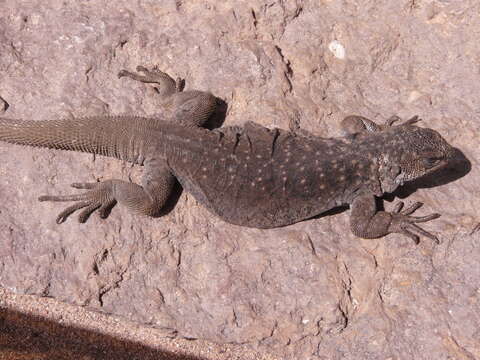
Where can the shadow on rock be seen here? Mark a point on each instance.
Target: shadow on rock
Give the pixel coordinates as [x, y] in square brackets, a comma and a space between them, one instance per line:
[218, 117]
[25, 336]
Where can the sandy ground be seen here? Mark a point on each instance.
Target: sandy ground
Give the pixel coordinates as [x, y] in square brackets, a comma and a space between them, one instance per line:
[42, 328]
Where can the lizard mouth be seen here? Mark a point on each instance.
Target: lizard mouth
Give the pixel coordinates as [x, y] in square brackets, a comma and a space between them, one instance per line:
[405, 176]
[441, 164]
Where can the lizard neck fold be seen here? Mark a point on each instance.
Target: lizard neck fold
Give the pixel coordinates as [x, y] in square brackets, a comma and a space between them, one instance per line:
[389, 174]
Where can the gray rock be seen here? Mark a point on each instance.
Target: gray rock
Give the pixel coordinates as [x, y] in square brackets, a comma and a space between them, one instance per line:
[307, 291]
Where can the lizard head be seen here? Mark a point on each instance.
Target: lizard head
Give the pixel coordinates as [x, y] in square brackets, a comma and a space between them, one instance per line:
[419, 151]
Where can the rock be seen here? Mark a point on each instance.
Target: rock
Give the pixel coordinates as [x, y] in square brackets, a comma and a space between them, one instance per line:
[307, 291]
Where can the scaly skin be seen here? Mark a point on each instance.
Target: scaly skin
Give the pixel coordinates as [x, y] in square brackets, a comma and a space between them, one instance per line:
[250, 176]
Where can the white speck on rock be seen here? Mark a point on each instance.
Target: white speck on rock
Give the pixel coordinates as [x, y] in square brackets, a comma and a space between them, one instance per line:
[337, 49]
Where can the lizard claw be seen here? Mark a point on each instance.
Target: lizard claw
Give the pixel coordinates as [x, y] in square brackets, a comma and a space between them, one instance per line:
[405, 224]
[392, 119]
[98, 197]
[143, 69]
[412, 120]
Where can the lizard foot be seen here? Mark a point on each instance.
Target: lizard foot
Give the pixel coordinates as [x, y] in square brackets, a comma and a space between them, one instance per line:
[154, 76]
[98, 197]
[404, 224]
[354, 124]
[393, 119]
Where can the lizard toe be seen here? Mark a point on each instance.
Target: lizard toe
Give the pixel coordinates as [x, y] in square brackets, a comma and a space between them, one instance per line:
[62, 217]
[398, 207]
[405, 225]
[85, 213]
[402, 222]
[99, 196]
[412, 208]
[405, 231]
[106, 209]
[84, 185]
[423, 232]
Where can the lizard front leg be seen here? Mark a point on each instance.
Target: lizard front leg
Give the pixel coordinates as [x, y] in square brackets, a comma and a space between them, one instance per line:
[146, 199]
[367, 222]
[354, 124]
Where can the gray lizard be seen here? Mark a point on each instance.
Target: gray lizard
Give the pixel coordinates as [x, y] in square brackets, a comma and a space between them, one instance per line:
[251, 175]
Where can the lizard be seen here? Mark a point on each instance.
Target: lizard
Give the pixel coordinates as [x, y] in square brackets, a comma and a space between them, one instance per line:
[247, 175]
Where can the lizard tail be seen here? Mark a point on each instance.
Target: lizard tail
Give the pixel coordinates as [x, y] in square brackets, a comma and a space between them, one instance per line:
[115, 136]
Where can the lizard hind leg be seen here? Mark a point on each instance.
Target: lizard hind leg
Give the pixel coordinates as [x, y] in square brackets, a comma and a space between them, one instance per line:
[165, 84]
[189, 108]
[146, 199]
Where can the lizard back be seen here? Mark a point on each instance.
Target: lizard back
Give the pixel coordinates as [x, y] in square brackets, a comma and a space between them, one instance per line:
[266, 178]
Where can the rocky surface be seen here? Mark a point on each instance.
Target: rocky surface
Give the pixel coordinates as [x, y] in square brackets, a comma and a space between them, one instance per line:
[309, 291]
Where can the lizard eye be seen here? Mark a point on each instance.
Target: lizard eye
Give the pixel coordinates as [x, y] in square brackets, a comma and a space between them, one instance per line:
[430, 162]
